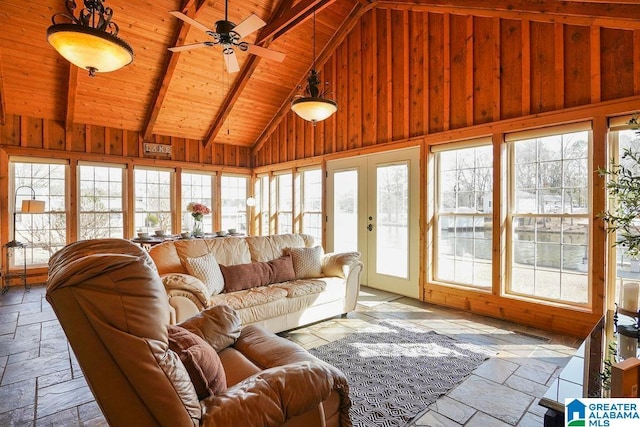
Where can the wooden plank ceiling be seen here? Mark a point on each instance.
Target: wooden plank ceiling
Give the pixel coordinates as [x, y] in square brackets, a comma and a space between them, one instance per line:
[189, 94]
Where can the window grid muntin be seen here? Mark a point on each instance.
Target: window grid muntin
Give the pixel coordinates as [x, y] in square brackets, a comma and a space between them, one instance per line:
[233, 202]
[153, 201]
[197, 188]
[284, 206]
[94, 222]
[453, 264]
[44, 233]
[312, 203]
[567, 279]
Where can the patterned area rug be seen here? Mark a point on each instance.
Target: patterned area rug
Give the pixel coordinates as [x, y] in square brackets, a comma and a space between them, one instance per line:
[396, 370]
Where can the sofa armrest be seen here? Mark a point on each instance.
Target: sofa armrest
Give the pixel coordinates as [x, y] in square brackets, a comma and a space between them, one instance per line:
[338, 264]
[275, 395]
[190, 287]
[348, 266]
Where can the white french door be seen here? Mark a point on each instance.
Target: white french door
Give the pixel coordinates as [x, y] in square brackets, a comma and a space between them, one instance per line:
[373, 207]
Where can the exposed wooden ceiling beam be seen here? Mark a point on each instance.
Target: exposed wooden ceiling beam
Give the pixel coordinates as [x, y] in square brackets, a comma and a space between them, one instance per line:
[292, 18]
[241, 81]
[612, 15]
[342, 32]
[190, 8]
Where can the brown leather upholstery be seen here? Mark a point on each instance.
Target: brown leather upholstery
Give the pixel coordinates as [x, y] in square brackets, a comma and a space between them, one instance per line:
[113, 307]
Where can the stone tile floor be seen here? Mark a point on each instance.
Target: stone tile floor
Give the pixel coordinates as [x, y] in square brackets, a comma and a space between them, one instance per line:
[42, 385]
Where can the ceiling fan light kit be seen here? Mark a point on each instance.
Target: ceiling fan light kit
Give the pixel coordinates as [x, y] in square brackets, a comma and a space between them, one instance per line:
[89, 41]
[314, 107]
[229, 35]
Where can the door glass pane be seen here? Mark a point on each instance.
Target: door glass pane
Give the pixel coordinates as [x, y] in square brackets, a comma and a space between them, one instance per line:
[345, 211]
[392, 201]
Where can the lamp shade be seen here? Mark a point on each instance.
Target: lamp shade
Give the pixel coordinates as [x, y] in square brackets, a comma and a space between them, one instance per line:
[32, 206]
[89, 48]
[314, 109]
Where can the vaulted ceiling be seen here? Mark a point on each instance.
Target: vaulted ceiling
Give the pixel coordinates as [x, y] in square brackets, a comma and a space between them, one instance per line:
[189, 94]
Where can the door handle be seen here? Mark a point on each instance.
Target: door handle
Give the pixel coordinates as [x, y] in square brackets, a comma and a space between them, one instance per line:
[370, 227]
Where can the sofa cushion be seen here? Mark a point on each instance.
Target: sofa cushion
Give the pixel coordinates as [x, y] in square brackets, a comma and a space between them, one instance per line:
[299, 288]
[200, 359]
[250, 297]
[307, 262]
[266, 248]
[206, 269]
[246, 276]
[282, 269]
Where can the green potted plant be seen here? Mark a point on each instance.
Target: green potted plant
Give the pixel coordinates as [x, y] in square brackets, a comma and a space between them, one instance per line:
[623, 186]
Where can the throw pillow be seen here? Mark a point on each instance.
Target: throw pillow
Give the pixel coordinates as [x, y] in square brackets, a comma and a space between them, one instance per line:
[200, 359]
[206, 268]
[282, 269]
[307, 262]
[246, 276]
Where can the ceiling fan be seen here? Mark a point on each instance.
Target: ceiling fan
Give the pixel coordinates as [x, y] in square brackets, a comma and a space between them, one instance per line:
[229, 35]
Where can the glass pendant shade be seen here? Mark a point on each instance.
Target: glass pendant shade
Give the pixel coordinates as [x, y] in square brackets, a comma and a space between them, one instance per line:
[314, 109]
[89, 48]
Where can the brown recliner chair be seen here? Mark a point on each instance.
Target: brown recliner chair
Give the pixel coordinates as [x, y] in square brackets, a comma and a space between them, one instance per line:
[113, 308]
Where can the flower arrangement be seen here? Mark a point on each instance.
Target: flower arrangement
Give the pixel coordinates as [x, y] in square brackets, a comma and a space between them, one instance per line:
[198, 210]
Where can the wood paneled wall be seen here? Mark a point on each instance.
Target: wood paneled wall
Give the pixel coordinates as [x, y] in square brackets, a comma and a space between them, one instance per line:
[87, 140]
[405, 73]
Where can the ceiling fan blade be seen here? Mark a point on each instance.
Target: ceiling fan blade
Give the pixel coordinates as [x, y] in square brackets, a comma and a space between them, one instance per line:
[187, 47]
[274, 55]
[249, 25]
[231, 61]
[188, 20]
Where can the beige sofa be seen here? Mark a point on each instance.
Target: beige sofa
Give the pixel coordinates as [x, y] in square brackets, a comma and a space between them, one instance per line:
[277, 306]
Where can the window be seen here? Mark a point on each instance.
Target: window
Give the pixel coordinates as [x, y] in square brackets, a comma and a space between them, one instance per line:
[284, 207]
[312, 203]
[152, 200]
[262, 205]
[549, 216]
[464, 222]
[101, 193]
[45, 233]
[627, 265]
[197, 188]
[234, 202]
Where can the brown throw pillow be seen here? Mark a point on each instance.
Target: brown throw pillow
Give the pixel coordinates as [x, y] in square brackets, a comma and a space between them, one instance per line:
[282, 269]
[246, 276]
[200, 359]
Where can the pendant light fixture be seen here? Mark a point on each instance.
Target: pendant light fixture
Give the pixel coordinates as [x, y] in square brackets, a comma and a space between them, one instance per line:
[91, 40]
[314, 106]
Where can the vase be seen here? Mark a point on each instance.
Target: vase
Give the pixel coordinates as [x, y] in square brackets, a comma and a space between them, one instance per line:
[198, 227]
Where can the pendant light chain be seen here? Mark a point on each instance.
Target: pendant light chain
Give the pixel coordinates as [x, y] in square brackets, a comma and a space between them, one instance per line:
[313, 67]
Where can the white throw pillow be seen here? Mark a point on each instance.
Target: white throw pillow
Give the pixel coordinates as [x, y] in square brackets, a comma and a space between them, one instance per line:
[307, 262]
[206, 268]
